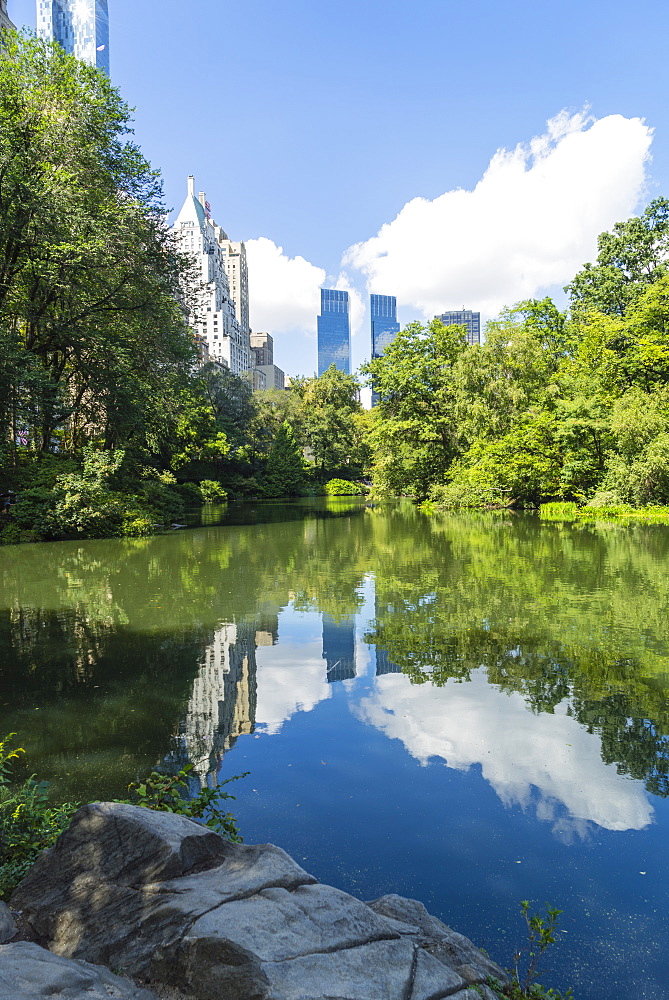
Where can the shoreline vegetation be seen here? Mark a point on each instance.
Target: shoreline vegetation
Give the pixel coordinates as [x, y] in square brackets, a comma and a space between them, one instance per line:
[111, 422]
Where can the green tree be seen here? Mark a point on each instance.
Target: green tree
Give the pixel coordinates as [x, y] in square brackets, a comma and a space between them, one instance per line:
[329, 406]
[284, 474]
[415, 432]
[629, 258]
[89, 274]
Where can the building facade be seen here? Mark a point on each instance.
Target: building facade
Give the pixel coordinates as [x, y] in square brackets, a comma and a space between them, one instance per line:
[4, 16]
[81, 27]
[383, 310]
[274, 377]
[467, 318]
[236, 269]
[262, 348]
[334, 331]
[211, 309]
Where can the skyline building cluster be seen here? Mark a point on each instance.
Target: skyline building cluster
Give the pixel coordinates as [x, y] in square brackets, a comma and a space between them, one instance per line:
[219, 310]
[81, 27]
[334, 328]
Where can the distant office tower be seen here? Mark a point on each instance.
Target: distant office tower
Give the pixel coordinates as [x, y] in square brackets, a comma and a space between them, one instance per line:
[464, 317]
[339, 648]
[212, 310]
[262, 351]
[334, 332]
[384, 322]
[384, 327]
[81, 27]
[4, 16]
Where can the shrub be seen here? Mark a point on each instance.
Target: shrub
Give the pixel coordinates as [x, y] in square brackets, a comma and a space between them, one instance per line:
[344, 488]
[164, 793]
[189, 492]
[212, 492]
[28, 824]
[465, 495]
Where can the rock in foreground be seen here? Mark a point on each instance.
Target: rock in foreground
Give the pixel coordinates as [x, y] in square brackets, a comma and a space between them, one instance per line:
[159, 897]
[28, 971]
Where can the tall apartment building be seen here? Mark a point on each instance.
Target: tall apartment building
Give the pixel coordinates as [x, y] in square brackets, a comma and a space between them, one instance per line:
[467, 318]
[4, 16]
[236, 268]
[81, 27]
[334, 331]
[211, 307]
[385, 327]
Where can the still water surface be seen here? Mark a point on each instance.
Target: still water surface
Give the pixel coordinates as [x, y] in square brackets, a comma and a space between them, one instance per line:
[470, 710]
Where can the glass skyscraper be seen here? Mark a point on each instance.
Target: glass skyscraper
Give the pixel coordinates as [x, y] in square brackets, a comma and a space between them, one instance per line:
[384, 327]
[467, 318]
[384, 322]
[334, 332]
[81, 27]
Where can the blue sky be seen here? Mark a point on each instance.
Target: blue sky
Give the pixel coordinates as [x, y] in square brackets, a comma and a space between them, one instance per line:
[312, 125]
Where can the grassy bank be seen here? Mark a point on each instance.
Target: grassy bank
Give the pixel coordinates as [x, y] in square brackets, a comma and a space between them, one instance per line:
[565, 511]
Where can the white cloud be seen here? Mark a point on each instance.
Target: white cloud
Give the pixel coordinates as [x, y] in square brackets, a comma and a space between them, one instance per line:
[528, 225]
[518, 751]
[292, 677]
[284, 291]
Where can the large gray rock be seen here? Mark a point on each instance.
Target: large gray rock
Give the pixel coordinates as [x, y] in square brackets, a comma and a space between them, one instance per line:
[7, 924]
[159, 897]
[28, 971]
[445, 944]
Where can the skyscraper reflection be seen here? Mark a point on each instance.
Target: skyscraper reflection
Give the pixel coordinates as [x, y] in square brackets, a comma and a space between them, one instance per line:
[339, 648]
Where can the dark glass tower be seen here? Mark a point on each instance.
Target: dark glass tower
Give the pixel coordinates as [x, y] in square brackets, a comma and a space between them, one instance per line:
[467, 318]
[334, 332]
[384, 327]
[339, 648]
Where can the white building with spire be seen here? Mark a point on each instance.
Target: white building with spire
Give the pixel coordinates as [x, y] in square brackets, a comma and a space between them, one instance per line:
[211, 305]
[4, 16]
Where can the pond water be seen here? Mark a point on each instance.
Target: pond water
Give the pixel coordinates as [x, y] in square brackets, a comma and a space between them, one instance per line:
[467, 709]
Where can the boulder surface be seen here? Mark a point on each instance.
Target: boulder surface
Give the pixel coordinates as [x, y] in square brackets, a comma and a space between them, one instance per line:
[161, 898]
[28, 971]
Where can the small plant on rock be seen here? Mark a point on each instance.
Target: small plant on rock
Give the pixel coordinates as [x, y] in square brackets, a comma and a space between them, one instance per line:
[164, 793]
[541, 934]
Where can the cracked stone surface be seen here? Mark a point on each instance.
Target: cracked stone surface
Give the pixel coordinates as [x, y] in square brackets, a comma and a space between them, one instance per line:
[161, 898]
[28, 971]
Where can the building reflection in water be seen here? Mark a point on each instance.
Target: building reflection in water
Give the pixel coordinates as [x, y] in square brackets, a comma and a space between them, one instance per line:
[223, 699]
[384, 665]
[339, 648]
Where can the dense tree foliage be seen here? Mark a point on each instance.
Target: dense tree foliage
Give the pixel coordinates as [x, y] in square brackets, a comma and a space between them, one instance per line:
[553, 405]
